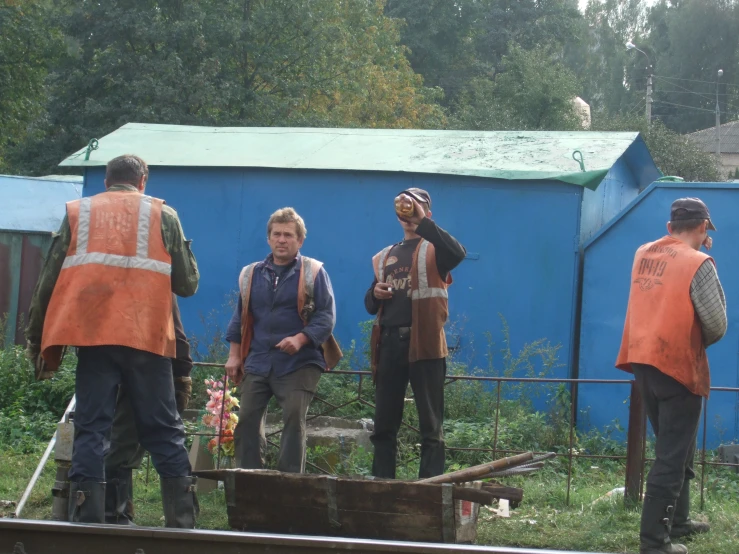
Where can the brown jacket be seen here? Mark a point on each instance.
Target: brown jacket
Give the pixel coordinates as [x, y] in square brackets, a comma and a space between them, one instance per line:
[429, 305]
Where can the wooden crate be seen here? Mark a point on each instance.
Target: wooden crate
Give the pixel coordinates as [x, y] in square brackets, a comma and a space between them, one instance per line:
[275, 502]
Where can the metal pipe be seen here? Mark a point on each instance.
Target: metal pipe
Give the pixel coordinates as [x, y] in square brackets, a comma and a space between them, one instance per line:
[43, 461]
[634, 447]
[497, 420]
[569, 451]
[501, 379]
[220, 419]
[703, 454]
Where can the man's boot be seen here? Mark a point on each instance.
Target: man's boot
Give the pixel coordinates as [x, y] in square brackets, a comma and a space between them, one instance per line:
[119, 498]
[682, 525]
[656, 520]
[178, 499]
[87, 502]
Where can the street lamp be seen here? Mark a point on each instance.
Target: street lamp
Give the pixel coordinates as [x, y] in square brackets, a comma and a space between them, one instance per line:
[718, 118]
[631, 46]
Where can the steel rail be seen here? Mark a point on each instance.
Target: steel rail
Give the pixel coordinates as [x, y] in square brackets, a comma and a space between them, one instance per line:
[18, 536]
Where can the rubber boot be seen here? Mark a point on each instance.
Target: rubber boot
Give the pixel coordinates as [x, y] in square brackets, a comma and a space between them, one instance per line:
[87, 502]
[178, 500]
[119, 498]
[682, 525]
[656, 521]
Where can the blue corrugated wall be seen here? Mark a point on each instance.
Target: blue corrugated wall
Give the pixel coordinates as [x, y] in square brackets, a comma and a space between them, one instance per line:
[601, 205]
[608, 260]
[522, 240]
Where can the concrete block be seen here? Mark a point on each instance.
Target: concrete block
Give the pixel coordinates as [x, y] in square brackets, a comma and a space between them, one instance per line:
[729, 454]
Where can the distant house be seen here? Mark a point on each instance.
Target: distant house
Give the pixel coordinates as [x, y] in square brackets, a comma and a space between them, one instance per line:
[706, 139]
[31, 209]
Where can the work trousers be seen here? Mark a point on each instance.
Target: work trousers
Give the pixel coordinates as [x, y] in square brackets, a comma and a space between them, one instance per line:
[125, 450]
[674, 413]
[148, 379]
[426, 377]
[294, 393]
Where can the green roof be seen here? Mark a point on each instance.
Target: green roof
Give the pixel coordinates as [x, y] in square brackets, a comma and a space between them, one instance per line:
[531, 155]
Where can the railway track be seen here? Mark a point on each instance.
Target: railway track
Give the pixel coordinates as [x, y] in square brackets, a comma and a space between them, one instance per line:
[18, 536]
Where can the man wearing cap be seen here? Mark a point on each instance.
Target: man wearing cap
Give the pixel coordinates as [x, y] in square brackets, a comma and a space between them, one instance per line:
[106, 288]
[676, 310]
[409, 297]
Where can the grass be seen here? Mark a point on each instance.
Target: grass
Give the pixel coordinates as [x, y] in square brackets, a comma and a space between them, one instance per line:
[543, 520]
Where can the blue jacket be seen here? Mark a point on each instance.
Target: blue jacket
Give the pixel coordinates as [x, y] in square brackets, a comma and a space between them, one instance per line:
[275, 312]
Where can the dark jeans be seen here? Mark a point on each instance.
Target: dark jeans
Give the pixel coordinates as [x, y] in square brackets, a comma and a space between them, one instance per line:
[294, 393]
[125, 450]
[426, 377]
[148, 379]
[674, 413]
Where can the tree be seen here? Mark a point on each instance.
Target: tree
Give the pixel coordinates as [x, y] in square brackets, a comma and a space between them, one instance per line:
[28, 46]
[701, 38]
[533, 91]
[673, 153]
[245, 63]
[440, 37]
[614, 79]
[453, 42]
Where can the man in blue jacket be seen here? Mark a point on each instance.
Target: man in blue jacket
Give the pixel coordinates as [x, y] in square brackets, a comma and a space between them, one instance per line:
[281, 341]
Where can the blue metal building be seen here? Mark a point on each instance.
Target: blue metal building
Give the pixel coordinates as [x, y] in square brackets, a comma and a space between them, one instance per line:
[31, 208]
[608, 258]
[520, 202]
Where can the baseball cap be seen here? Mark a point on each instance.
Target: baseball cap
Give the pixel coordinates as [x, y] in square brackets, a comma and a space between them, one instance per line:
[690, 208]
[419, 194]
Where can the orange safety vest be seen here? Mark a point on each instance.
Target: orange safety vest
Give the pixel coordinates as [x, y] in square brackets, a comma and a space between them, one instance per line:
[662, 328]
[115, 284]
[429, 305]
[309, 268]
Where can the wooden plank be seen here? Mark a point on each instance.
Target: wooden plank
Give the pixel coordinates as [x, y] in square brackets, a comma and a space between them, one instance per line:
[276, 491]
[392, 526]
[448, 528]
[389, 497]
[499, 491]
[476, 472]
[293, 520]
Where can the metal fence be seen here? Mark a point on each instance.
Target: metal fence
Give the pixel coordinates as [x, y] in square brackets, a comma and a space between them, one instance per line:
[635, 458]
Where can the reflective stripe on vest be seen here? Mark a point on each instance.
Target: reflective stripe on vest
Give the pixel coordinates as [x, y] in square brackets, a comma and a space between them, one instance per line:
[423, 290]
[140, 261]
[245, 280]
[309, 278]
[381, 264]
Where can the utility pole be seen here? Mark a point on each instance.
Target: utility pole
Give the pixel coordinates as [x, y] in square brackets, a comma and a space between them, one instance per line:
[631, 46]
[649, 97]
[718, 119]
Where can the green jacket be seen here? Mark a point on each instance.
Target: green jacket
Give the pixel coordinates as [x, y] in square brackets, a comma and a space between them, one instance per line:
[185, 276]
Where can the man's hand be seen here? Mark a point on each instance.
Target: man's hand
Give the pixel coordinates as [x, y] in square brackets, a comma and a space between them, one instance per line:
[419, 213]
[235, 369]
[708, 243]
[182, 392]
[33, 353]
[292, 345]
[382, 291]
